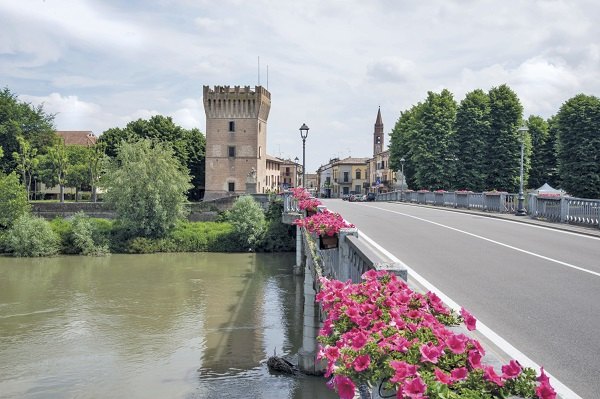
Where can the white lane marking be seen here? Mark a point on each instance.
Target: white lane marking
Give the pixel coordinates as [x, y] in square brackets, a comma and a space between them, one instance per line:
[495, 242]
[500, 342]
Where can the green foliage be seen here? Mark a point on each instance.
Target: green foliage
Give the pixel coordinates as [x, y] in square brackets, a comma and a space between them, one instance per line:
[503, 149]
[578, 127]
[278, 237]
[31, 236]
[77, 172]
[543, 157]
[26, 161]
[472, 130]
[19, 119]
[434, 152]
[188, 145]
[85, 237]
[403, 142]
[13, 200]
[146, 185]
[57, 162]
[205, 237]
[248, 220]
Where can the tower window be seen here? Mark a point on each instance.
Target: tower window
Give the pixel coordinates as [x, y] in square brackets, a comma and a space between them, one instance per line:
[232, 126]
[231, 186]
[231, 151]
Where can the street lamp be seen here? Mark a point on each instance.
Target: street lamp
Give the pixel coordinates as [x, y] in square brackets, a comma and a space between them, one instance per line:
[402, 160]
[520, 209]
[304, 135]
[297, 174]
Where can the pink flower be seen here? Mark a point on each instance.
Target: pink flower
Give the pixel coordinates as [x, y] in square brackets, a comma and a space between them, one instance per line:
[470, 321]
[359, 340]
[442, 377]
[511, 370]
[361, 363]
[345, 386]
[332, 353]
[457, 343]
[415, 388]
[543, 378]
[430, 353]
[545, 391]
[490, 374]
[459, 373]
[402, 369]
[475, 359]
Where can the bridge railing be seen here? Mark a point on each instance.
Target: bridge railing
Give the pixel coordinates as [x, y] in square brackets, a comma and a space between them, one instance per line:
[580, 211]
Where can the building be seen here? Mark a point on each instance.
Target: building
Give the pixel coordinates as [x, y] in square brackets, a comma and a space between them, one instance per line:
[273, 179]
[77, 137]
[291, 174]
[236, 140]
[381, 177]
[342, 176]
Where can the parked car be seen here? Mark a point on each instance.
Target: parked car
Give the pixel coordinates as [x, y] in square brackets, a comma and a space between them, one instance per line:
[345, 197]
[371, 196]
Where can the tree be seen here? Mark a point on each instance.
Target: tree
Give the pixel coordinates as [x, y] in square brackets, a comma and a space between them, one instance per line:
[26, 162]
[58, 163]
[248, 220]
[96, 162]
[188, 145]
[578, 126]
[504, 141]
[472, 131]
[32, 236]
[19, 119]
[13, 200]
[77, 172]
[402, 142]
[543, 153]
[146, 185]
[434, 154]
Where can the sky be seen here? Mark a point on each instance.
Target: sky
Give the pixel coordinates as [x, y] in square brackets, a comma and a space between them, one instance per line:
[99, 64]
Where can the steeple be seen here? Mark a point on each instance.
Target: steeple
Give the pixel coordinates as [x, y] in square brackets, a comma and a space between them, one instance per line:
[378, 134]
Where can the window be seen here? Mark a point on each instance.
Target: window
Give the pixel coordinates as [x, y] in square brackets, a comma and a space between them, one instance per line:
[357, 188]
[358, 173]
[231, 151]
[287, 171]
[231, 186]
[259, 152]
[232, 126]
[346, 177]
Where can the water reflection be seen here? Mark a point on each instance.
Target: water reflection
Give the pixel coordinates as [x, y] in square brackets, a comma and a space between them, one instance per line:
[167, 325]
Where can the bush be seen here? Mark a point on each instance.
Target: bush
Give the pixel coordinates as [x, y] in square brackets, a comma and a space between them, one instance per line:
[32, 236]
[85, 236]
[64, 230]
[144, 245]
[278, 237]
[205, 237]
[13, 200]
[248, 220]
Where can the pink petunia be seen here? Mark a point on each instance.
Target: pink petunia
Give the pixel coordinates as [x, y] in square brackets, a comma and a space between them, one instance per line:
[332, 353]
[443, 377]
[457, 343]
[361, 363]
[345, 387]
[511, 370]
[459, 374]
[402, 370]
[415, 388]
[470, 321]
[475, 359]
[430, 353]
[543, 378]
[490, 374]
[359, 340]
[545, 391]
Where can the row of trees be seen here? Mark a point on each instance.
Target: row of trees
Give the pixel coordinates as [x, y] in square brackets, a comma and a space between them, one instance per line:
[475, 144]
[35, 152]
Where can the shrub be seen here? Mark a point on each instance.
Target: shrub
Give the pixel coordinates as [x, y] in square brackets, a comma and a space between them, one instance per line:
[278, 237]
[13, 200]
[205, 237]
[248, 220]
[32, 236]
[64, 230]
[85, 236]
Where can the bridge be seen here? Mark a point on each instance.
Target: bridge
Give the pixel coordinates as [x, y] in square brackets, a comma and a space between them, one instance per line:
[534, 286]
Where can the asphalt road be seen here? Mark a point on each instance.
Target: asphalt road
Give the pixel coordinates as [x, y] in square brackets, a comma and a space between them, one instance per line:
[537, 288]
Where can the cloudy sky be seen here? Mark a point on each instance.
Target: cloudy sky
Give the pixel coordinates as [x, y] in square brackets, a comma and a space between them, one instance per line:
[99, 64]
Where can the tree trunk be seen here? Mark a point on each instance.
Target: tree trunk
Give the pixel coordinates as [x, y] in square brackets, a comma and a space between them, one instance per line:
[62, 193]
[94, 196]
[76, 194]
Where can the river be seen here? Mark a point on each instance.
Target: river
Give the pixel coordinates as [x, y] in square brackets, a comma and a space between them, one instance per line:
[150, 326]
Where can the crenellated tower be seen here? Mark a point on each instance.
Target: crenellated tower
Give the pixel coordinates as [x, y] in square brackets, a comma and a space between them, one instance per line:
[378, 134]
[236, 139]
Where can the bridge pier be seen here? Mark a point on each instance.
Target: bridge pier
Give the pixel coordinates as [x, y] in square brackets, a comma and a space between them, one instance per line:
[299, 266]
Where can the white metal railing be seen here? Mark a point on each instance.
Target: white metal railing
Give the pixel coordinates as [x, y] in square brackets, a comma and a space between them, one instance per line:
[564, 209]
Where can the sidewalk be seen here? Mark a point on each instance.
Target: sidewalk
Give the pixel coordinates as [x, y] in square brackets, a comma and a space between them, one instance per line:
[590, 231]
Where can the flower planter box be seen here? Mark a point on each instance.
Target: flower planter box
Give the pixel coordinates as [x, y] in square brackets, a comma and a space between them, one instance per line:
[328, 242]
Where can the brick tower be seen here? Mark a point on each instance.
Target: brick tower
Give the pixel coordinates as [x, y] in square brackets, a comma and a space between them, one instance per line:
[236, 140]
[378, 134]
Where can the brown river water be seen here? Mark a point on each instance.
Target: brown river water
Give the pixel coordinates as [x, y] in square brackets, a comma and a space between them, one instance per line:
[151, 326]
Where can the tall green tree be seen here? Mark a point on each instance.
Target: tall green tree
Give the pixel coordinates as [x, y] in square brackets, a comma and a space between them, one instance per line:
[20, 119]
[504, 141]
[188, 145]
[58, 164]
[435, 153]
[472, 132]
[146, 184]
[402, 142]
[578, 124]
[543, 153]
[96, 162]
[26, 159]
[77, 173]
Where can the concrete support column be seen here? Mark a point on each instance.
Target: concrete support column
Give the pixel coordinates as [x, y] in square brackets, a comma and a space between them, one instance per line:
[344, 266]
[298, 267]
[307, 356]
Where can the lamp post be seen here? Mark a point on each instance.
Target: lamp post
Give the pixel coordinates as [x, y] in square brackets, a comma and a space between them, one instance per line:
[520, 209]
[297, 174]
[402, 160]
[304, 135]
